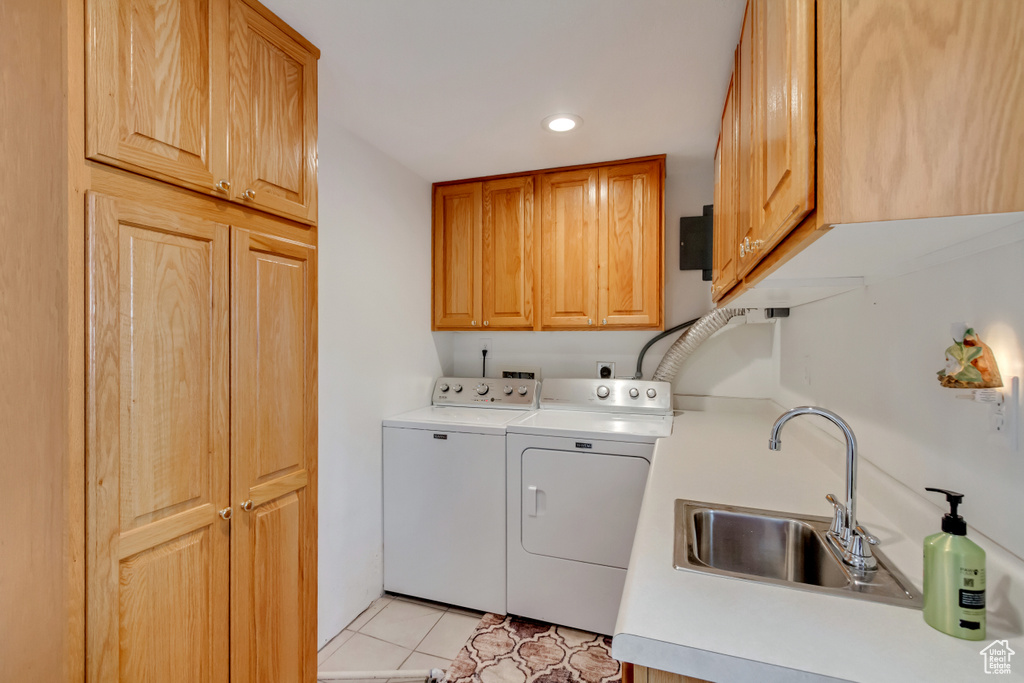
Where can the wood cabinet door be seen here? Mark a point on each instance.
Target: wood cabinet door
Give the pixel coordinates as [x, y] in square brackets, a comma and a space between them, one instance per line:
[157, 458]
[507, 263]
[568, 244]
[273, 460]
[743, 110]
[273, 105]
[457, 283]
[155, 83]
[783, 116]
[725, 249]
[630, 280]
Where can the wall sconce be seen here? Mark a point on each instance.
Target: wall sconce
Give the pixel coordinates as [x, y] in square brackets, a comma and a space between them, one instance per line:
[969, 362]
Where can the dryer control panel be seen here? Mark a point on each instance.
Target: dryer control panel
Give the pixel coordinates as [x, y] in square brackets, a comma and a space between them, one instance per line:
[486, 392]
[608, 395]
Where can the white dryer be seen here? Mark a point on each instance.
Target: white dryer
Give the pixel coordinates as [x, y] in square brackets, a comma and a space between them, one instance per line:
[577, 469]
[444, 492]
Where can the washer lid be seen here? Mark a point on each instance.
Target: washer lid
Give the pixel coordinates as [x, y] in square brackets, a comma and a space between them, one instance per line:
[588, 425]
[455, 419]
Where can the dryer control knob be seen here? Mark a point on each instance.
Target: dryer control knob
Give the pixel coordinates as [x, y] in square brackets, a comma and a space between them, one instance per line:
[457, 388]
[603, 391]
[482, 389]
[522, 391]
[443, 387]
[634, 392]
[508, 390]
[651, 393]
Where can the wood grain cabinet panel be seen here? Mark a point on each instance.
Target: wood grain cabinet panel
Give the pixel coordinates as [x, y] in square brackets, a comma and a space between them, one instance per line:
[155, 74]
[273, 105]
[931, 102]
[725, 254]
[569, 248]
[217, 96]
[507, 259]
[457, 268]
[273, 476]
[630, 245]
[783, 122]
[157, 444]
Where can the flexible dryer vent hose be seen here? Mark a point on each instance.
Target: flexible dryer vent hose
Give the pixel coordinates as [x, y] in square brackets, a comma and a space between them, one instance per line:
[689, 341]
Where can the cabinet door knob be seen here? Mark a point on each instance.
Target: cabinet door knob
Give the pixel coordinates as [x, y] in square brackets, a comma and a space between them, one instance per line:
[247, 506]
[225, 513]
[604, 321]
[249, 194]
[589, 321]
[473, 323]
[742, 251]
[222, 186]
[486, 323]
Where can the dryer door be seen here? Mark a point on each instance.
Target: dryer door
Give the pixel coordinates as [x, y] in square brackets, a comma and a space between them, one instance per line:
[581, 506]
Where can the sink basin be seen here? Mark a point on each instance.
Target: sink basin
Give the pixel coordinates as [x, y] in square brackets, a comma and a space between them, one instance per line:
[779, 548]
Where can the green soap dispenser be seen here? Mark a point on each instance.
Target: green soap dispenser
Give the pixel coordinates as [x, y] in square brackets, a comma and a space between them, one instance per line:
[954, 577]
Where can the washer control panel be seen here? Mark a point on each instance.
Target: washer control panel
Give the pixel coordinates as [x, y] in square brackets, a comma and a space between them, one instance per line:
[486, 392]
[608, 395]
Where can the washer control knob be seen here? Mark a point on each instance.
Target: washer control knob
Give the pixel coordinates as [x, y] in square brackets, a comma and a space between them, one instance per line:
[634, 392]
[651, 393]
[508, 390]
[482, 388]
[522, 391]
[603, 391]
[457, 388]
[443, 387]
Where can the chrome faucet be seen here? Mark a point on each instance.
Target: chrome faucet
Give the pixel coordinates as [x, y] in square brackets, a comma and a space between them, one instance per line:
[850, 541]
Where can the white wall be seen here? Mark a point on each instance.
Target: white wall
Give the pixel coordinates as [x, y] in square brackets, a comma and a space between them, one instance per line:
[377, 355]
[872, 354]
[738, 365]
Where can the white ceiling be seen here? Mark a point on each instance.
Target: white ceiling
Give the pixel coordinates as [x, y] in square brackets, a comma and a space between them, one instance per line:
[457, 88]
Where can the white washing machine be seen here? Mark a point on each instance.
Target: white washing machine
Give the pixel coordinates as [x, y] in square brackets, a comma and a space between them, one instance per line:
[444, 492]
[577, 469]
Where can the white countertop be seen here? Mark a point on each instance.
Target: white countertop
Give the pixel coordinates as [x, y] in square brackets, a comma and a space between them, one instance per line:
[724, 629]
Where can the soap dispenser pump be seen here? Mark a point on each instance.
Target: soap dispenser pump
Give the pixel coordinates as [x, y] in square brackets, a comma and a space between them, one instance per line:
[954, 577]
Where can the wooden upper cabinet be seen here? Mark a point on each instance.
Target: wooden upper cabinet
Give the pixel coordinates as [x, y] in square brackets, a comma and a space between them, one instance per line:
[507, 260]
[155, 77]
[569, 249]
[783, 118]
[747, 226]
[273, 108]
[457, 283]
[930, 102]
[273, 447]
[218, 96]
[157, 440]
[725, 252]
[631, 280]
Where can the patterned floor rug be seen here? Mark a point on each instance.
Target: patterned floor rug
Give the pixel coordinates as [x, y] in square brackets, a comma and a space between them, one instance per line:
[514, 650]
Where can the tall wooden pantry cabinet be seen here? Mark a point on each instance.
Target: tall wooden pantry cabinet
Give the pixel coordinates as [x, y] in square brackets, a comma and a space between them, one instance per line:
[168, 283]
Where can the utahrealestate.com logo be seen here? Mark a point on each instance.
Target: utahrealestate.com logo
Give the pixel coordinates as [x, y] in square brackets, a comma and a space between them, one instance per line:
[997, 657]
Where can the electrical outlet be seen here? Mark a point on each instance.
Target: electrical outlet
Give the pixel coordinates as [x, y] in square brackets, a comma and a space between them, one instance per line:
[605, 370]
[485, 344]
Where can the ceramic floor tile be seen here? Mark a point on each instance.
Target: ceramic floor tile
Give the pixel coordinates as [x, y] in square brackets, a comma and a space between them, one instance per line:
[403, 623]
[369, 613]
[466, 612]
[363, 653]
[449, 635]
[418, 660]
[335, 642]
[419, 601]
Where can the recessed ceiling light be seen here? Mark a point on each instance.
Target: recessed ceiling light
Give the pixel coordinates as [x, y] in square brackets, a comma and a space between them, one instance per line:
[561, 123]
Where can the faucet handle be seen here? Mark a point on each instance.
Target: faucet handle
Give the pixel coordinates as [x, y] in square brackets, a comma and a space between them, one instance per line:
[860, 555]
[839, 515]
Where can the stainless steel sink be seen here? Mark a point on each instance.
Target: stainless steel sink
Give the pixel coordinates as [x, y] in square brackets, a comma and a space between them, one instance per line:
[779, 548]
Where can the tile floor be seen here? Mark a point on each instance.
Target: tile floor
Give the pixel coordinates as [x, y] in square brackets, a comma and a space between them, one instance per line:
[396, 632]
